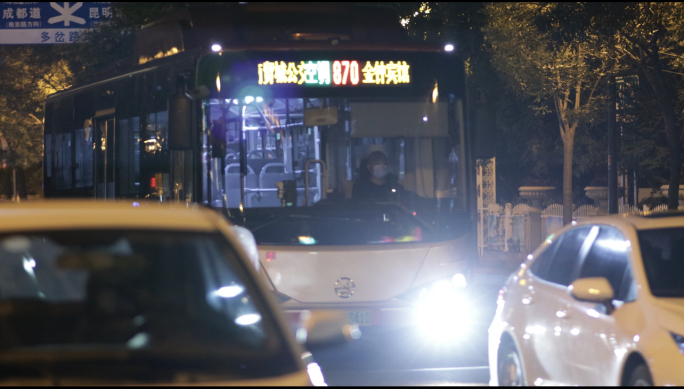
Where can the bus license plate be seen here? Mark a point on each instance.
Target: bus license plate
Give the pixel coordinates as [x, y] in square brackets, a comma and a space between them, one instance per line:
[362, 318]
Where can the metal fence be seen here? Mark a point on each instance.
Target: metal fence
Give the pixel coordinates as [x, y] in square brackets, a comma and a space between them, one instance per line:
[521, 228]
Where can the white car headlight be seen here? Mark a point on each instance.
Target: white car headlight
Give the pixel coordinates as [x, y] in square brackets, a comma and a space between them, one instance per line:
[248, 244]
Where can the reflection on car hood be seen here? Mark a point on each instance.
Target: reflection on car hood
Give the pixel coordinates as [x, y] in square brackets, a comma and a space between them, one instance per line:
[671, 314]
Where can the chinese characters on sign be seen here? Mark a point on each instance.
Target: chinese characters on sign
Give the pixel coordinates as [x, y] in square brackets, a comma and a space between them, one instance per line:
[340, 73]
[390, 73]
[289, 73]
[48, 23]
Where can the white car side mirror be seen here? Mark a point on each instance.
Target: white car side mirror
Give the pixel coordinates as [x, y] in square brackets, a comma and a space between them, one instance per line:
[319, 328]
[592, 289]
[248, 244]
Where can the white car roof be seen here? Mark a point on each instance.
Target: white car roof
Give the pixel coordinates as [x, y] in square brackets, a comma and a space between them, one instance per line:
[653, 221]
[112, 214]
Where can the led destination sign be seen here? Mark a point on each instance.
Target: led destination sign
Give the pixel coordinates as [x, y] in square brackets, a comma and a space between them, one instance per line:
[336, 73]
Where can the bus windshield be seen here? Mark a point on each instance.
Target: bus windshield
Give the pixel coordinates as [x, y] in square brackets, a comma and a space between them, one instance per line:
[317, 149]
[253, 132]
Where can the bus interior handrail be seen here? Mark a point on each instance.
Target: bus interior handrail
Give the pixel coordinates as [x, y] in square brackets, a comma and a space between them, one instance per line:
[324, 183]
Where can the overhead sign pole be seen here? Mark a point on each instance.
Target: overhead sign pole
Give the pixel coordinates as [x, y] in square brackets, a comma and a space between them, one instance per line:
[31, 23]
[612, 148]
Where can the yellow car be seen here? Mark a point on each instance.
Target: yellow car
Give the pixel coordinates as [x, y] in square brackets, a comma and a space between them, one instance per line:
[135, 293]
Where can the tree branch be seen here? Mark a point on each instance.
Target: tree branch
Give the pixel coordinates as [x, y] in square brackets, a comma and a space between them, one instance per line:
[593, 89]
[628, 53]
[38, 121]
[50, 83]
[640, 45]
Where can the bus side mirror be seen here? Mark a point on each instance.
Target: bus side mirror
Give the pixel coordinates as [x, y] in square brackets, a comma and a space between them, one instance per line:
[180, 122]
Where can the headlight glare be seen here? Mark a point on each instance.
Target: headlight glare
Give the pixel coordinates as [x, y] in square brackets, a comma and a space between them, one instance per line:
[442, 317]
[443, 287]
[458, 280]
[451, 285]
[441, 312]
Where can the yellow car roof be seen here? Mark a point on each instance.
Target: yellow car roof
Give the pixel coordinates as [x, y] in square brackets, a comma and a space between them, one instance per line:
[98, 214]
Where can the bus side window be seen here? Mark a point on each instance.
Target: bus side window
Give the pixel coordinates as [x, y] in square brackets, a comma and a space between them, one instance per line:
[84, 110]
[127, 175]
[63, 143]
[128, 157]
[48, 146]
[154, 154]
[48, 155]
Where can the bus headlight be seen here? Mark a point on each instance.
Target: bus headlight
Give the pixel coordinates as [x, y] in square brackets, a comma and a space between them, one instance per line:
[458, 280]
[443, 313]
[453, 284]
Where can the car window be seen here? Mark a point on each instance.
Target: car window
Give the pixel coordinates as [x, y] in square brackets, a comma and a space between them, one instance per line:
[227, 294]
[542, 263]
[565, 261]
[662, 251]
[168, 295]
[609, 258]
[116, 274]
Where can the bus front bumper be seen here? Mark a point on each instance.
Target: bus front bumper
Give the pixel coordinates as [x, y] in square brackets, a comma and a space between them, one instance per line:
[450, 324]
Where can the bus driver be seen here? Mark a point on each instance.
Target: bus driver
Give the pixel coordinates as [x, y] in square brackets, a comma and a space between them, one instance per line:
[376, 184]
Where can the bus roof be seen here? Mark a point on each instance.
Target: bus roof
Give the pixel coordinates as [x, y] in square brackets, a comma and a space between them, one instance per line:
[254, 22]
[260, 27]
[271, 25]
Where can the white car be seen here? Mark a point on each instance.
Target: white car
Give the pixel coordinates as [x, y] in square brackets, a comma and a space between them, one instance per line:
[601, 302]
[379, 264]
[108, 293]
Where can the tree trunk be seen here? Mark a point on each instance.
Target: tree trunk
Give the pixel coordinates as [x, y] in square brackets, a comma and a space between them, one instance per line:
[568, 147]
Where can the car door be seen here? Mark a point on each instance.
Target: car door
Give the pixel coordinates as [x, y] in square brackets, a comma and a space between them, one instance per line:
[548, 298]
[593, 345]
[527, 310]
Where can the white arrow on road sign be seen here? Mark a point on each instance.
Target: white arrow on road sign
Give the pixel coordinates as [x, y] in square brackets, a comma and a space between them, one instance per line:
[66, 14]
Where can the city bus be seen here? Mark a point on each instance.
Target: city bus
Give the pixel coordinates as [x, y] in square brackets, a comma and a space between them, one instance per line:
[267, 113]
